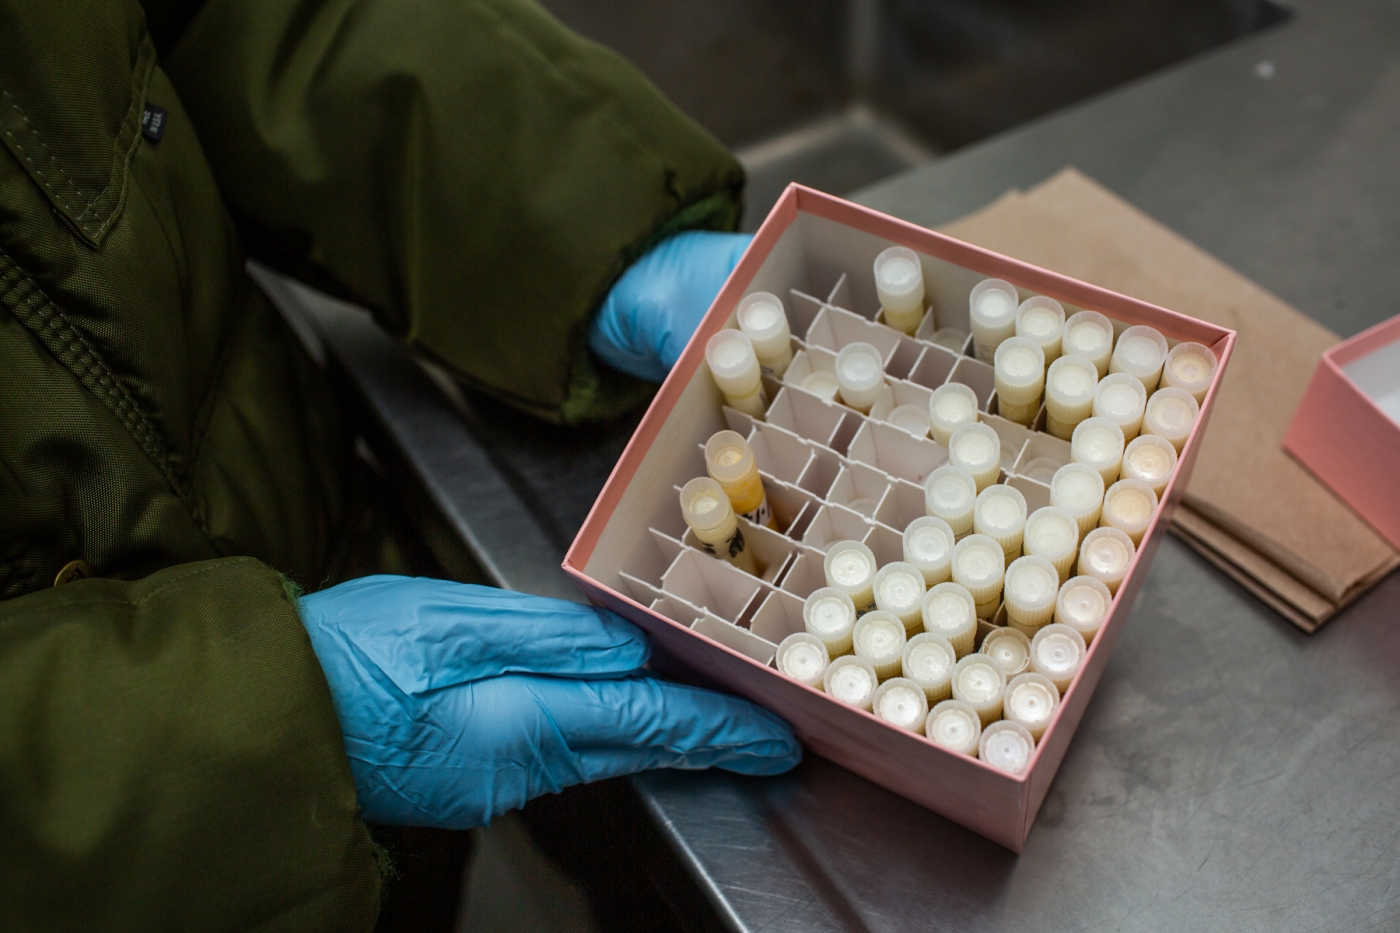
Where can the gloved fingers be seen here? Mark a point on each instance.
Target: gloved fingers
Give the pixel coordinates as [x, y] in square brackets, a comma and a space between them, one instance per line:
[426, 634]
[620, 726]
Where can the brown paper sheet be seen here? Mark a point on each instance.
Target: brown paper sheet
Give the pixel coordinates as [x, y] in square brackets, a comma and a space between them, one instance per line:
[1250, 509]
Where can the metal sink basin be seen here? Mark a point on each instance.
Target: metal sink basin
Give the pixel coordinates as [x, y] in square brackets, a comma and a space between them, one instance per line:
[838, 94]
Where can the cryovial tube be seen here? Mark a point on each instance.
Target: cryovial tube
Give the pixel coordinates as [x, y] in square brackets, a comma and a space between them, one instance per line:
[803, 657]
[1083, 605]
[1042, 320]
[979, 565]
[1000, 514]
[730, 462]
[1089, 334]
[1140, 352]
[1052, 533]
[1128, 506]
[821, 383]
[1151, 459]
[911, 418]
[1031, 699]
[880, 639]
[851, 680]
[829, 614]
[954, 725]
[763, 320]
[1010, 648]
[1171, 413]
[899, 590]
[928, 545]
[1006, 746]
[1069, 394]
[979, 682]
[1104, 554]
[1057, 651]
[902, 703]
[850, 567]
[950, 493]
[928, 661]
[951, 406]
[992, 310]
[1120, 398]
[1098, 442]
[1078, 489]
[736, 371]
[860, 373]
[899, 281]
[1031, 587]
[977, 449]
[708, 513]
[1020, 378]
[950, 611]
[1190, 366]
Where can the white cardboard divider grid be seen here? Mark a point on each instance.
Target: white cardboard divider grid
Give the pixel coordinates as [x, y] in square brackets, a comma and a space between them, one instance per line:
[822, 472]
[778, 617]
[731, 636]
[859, 488]
[833, 523]
[896, 452]
[898, 392]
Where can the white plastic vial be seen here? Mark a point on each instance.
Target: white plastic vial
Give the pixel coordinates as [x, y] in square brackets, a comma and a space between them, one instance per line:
[899, 590]
[1031, 587]
[1031, 699]
[851, 680]
[1011, 649]
[1140, 352]
[829, 614]
[992, 308]
[1000, 514]
[928, 545]
[1089, 334]
[762, 319]
[707, 511]
[911, 418]
[950, 611]
[1171, 414]
[1083, 605]
[1069, 394]
[1057, 651]
[954, 725]
[950, 493]
[803, 657]
[899, 281]
[1128, 506]
[860, 373]
[1120, 398]
[979, 565]
[977, 449]
[1052, 533]
[1098, 442]
[979, 682]
[951, 406]
[1006, 746]
[1105, 554]
[1078, 489]
[1190, 366]
[928, 661]
[901, 702]
[1042, 320]
[879, 639]
[1151, 459]
[730, 462]
[1020, 379]
[850, 567]
[736, 371]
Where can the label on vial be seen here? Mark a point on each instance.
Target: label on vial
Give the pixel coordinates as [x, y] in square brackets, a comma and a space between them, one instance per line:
[734, 548]
[763, 515]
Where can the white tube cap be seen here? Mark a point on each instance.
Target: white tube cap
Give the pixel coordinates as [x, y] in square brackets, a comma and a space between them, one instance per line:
[852, 681]
[955, 726]
[950, 493]
[899, 282]
[1151, 459]
[1190, 366]
[1098, 442]
[860, 373]
[1057, 651]
[901, 702]
[830, 615]
[1042, 320]
[1083, 604]
[1009, 648]
[951, 406]
[928, 661]
[992, 305]
[1171, 414]
[928, 545]
[1089, 334]
[733, 363]
[1031, 700]
[762, 319]
[1120, 398]
[1141, 351]
[803, 657]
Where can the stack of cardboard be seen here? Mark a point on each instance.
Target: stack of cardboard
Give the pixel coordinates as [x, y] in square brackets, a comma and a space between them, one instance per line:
[1251, 509]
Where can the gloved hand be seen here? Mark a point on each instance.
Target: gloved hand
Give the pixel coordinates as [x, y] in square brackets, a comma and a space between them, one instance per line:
[650, 313]
[458, 703]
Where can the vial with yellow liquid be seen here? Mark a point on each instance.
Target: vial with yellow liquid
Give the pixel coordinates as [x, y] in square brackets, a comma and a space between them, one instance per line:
[708, 513]
[730, 462]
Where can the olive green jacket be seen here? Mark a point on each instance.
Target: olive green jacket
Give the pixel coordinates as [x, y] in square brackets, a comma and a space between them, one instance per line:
[476, 174]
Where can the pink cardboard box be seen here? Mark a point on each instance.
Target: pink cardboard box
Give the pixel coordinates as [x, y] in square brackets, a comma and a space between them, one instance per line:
[712, 623]
[1347, 429]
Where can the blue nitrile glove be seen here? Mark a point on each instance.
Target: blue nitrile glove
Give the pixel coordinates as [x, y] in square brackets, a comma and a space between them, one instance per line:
[458, 703]
[648, 317]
